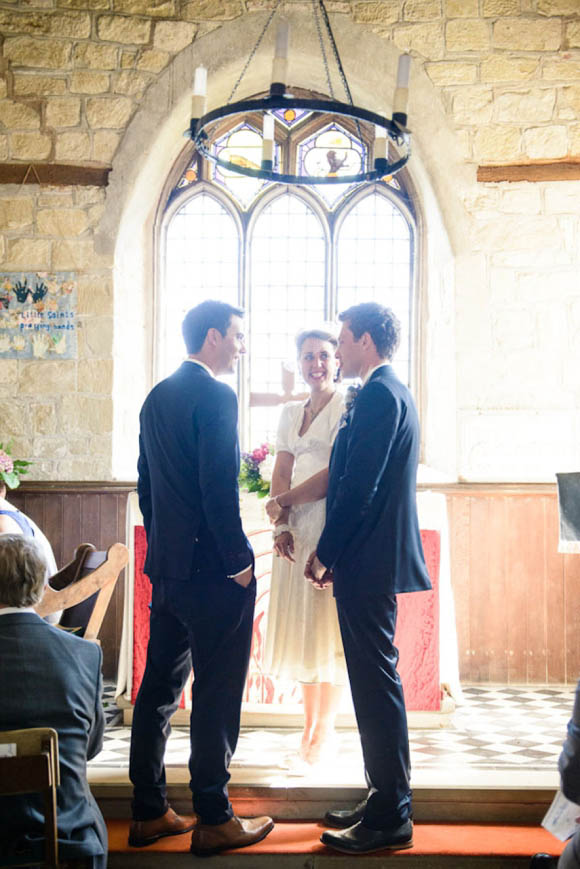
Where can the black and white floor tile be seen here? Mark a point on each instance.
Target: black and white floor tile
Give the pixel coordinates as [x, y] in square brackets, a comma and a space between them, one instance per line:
[113, 715]
[494, 728]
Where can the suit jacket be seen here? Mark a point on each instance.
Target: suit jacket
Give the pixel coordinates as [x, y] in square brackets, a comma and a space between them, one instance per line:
[49, 678]
[189, 461]
[371, 538]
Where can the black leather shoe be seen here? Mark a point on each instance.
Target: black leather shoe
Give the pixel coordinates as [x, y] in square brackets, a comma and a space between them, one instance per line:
[346, 817]
[543, 861]
[360, 840]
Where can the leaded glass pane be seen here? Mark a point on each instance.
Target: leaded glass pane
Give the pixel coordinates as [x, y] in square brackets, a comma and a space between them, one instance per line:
[374, 265]
[331, 152]
[242, 146]
[190, 176]
[391, 181]
[202, 262]
[287, 292]
[290, 117]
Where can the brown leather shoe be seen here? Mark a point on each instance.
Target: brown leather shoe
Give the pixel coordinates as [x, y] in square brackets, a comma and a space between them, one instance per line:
[235, 833]
[142, 833]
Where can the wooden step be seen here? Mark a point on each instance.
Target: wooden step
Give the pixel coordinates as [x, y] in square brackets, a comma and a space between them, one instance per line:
[524, 802]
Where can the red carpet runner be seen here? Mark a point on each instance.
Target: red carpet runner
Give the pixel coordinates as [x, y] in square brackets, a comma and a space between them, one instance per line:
[291, 837]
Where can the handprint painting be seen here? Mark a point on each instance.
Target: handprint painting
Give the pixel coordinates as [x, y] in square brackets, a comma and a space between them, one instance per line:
[38, 315]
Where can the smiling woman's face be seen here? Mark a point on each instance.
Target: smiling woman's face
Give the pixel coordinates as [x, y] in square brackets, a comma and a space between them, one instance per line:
[317, 364]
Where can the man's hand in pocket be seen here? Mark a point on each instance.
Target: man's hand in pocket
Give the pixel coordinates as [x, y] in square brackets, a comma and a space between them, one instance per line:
[245, 578]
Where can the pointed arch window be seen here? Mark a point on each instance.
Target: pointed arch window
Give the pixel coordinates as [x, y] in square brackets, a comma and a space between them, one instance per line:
[292, 257]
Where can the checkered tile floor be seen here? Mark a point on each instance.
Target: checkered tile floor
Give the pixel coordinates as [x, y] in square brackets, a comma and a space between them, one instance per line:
[495, 728]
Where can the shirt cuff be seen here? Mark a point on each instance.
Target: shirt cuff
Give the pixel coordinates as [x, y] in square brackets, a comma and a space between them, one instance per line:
[239, 573]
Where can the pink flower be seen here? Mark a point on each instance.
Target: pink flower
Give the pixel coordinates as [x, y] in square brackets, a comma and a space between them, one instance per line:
[260, 453]
[6, 462]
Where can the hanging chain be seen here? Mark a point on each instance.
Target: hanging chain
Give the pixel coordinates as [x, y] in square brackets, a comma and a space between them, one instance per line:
[337, 59]
[254, 50]
[316, 4]
[322, 48]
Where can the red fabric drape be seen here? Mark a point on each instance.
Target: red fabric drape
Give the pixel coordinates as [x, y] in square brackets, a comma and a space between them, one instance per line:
[417, 635]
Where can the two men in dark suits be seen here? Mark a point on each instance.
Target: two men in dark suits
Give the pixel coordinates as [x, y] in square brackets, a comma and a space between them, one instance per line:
[48, 678]
[201, 568]
[371, 550]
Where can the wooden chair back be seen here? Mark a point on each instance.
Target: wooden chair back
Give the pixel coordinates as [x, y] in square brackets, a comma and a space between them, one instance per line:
[33, 769]
[89, 592]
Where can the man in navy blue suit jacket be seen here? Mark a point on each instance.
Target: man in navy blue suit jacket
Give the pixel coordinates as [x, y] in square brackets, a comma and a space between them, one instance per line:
[370, 548]
[201, 568]
[48, 678]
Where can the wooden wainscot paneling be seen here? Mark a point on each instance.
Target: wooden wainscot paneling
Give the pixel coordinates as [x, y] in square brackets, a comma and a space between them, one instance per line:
[73, 513]
[516, 597]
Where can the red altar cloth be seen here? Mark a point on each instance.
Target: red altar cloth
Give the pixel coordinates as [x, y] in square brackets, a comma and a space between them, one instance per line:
[417, 636]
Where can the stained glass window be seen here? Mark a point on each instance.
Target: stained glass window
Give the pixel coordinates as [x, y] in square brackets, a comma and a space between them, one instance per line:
[290, 256]
[331, 152]
[190, 176]
[290, 117]
[242, 146]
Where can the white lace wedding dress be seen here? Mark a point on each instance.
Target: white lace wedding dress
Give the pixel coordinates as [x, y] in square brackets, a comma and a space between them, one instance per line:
[303, 637]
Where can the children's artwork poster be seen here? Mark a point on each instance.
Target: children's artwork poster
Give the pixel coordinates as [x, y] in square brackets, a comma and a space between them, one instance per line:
[38, 318]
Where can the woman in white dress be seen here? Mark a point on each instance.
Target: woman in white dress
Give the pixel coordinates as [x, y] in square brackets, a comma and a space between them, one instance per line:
[303, 640]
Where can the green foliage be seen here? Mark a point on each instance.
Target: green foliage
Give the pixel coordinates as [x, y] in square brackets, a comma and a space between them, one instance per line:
[11, 469]
[251, 467]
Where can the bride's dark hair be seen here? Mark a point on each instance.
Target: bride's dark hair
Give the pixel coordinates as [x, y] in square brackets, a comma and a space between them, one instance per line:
[320, 334]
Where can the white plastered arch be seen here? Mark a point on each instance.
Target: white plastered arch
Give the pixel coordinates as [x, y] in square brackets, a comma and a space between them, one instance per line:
[154, 140]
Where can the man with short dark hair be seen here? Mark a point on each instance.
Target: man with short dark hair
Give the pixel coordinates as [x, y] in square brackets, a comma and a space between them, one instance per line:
[48, 678]
[201, 568]
[371, 550]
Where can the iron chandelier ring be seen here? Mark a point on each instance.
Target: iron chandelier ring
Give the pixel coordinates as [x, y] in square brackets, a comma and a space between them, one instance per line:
[395, 128]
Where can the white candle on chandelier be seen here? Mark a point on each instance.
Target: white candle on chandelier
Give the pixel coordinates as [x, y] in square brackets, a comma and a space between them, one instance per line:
[268, 138]
[280, 64]
[199, 92]
[380, 142]
[401, 97]
[282, 37]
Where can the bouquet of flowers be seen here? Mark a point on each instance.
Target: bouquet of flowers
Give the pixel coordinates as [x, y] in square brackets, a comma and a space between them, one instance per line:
[256, 470]
[11, 469]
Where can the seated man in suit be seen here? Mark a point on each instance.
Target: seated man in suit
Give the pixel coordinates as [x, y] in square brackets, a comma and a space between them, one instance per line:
[48, 678]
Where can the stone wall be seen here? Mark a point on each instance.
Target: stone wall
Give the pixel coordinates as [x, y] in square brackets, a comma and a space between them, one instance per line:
[493, 81]
[59, 412]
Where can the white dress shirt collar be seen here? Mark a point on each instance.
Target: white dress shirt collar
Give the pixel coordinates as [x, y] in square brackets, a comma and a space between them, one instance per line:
[9, 610]
[201, 364]
[371, 371]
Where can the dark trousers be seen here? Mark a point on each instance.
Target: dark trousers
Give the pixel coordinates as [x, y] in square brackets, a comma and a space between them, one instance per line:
[208, 626]
[367, 626]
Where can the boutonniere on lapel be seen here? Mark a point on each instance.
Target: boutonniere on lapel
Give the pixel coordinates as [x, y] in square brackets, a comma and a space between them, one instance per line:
[349, 400]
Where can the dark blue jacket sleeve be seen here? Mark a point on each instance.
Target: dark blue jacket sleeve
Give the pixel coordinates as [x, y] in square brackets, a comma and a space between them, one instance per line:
[219, 466]
[144, 486]
[372, 430]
